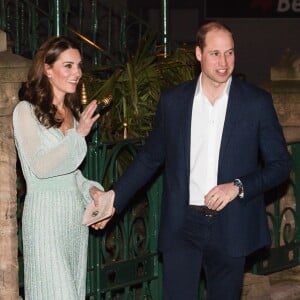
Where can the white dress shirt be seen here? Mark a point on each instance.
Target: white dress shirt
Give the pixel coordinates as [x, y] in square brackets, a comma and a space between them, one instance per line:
[206, 134]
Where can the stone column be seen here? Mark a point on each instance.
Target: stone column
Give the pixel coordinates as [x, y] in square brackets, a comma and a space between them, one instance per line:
[13, 71]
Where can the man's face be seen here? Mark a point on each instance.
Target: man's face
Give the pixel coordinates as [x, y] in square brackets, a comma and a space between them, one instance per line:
[217, 57]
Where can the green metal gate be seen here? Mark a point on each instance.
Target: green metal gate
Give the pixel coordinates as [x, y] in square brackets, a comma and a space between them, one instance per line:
[123, 262]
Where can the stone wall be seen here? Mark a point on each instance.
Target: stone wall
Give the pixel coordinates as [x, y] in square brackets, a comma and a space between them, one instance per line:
[13, 71]
[285, 89]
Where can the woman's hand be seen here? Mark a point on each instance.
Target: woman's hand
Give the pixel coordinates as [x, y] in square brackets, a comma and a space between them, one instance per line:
[87, 119]
[96, 195]
[102, 224]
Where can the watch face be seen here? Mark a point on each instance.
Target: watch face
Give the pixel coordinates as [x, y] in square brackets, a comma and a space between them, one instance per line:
[239, 184]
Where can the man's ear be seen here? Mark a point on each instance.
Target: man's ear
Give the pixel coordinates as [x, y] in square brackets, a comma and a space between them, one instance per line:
[198, 53]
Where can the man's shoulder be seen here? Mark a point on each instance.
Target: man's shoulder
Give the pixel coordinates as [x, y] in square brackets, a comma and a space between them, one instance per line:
[248, 88]
[179, 94]
[183, 87]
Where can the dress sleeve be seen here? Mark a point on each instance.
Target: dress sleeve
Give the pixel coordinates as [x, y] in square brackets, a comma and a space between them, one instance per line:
[84, 186]
[43, 159]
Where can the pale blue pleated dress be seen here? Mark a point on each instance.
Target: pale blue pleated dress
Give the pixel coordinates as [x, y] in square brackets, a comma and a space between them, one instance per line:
[54, 240]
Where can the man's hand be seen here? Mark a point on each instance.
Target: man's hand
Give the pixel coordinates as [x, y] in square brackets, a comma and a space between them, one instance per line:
[219, 196]
[96, 195]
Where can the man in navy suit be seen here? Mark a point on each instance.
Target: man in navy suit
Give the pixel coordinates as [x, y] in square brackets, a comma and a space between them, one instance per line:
[221, 146]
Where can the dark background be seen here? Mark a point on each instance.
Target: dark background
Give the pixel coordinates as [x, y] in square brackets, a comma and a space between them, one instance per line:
[262, 35]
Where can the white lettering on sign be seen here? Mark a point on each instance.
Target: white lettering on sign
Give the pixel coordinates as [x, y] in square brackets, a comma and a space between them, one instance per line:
[286, 5]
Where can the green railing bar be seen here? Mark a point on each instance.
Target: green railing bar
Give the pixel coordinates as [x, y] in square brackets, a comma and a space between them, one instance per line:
[165, 27]
[296, 167]
[3, 15]
[57, 18]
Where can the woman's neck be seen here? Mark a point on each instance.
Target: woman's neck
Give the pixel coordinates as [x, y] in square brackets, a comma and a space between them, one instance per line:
[59, 103]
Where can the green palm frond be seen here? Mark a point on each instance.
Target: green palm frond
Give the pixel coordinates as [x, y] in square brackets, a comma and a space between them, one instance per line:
[136, 86]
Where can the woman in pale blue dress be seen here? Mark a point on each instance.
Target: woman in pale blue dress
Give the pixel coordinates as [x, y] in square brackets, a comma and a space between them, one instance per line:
[50, 138]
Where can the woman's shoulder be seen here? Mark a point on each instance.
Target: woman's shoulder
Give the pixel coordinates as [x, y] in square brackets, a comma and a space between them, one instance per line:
[23, 108]
[23, 104]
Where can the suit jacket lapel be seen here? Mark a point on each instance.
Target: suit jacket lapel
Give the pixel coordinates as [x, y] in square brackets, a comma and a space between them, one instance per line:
[231, 119]
[187, 126]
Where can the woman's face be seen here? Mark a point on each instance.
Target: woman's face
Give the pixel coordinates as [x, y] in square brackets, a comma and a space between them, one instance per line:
[65, 73]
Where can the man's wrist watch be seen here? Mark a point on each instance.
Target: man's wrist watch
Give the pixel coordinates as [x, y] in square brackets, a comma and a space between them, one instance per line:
[238, 183]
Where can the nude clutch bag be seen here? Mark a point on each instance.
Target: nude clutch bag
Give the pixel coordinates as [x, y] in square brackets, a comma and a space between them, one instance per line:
[94, 214]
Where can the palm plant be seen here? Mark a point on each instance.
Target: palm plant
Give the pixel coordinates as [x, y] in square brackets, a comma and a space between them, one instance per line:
[136, 86]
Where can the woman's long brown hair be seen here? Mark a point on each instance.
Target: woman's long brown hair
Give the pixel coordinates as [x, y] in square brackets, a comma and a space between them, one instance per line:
[37, 89]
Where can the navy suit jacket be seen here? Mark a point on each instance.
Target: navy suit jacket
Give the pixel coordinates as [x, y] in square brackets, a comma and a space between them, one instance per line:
[253, 149]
